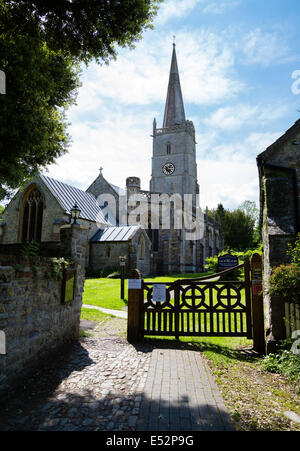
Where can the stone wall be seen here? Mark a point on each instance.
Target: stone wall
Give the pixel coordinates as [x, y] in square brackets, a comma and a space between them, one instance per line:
[279, 174]
[33, 315]
[106, 254]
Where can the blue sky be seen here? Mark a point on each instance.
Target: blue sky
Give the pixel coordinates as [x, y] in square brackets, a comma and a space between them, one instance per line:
[236, 59]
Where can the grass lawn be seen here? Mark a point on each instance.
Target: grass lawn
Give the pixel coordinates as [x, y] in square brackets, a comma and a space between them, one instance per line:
[93, 315]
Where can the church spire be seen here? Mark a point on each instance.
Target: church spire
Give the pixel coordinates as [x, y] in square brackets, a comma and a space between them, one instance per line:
[174, 109]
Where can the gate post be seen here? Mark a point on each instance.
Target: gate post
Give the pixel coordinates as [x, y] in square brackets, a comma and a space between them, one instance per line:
[247, 271]
[259, 341]
[135, 307]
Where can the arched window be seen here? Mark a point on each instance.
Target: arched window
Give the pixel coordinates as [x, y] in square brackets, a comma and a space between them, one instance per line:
[32, 220]
[142, 247]
[107, 251]
[168, 148]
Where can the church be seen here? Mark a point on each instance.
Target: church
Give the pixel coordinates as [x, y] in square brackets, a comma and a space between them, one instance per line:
[160, 231]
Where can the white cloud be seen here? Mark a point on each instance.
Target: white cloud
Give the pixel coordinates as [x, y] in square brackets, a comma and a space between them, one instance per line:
[240, 115]
[174, 9]
[264, 48]
[228, 182]
[206, 66]
[220, 7]
[112, 123]
[120, 144]
[228, 173]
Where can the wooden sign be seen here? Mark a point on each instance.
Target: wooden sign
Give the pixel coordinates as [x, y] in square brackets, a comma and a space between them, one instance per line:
[68, 285]
[257, 288]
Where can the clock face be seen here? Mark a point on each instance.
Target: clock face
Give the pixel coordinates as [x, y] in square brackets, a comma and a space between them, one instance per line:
[168, 168]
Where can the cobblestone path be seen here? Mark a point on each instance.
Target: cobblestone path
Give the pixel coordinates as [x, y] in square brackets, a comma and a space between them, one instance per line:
[97, 386]
[106, 384]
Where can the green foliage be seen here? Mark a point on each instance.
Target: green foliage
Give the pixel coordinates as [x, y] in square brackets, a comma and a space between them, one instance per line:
[42, 45]
[84, 29]
[41, 85]
[239, 226]
[286, 363]
[284, 283]
[55, 268]
[294, 251]
[212, 262]
[2, 208]
[30, 250]
[114, 275]
[105, 272]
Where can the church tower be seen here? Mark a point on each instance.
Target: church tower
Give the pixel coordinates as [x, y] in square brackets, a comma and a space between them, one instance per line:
[174, 168]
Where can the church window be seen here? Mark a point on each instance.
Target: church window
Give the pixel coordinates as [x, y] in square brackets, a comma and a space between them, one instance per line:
[107, 251]
[32, 216]
[142, 247]
[169, 149]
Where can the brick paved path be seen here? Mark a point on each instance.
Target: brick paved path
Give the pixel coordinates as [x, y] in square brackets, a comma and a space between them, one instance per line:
[110, 385]
[180, 394]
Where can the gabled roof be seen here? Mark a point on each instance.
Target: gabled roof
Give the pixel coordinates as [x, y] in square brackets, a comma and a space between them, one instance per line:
[118, 190]
[67, 195]
[110, 234]
[288, 135]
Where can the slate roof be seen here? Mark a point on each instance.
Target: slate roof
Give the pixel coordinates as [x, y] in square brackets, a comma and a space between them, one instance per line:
[67, 195]
[118, 190]
[110, 234]
[277, 145]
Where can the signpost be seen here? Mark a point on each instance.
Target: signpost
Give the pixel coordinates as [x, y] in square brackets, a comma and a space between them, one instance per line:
[122, 265]
[257, 304]
[135, 307]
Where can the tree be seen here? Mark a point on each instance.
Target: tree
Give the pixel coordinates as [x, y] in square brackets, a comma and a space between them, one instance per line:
[41, 84]
[85, 29]
[250, 208]
[237, 228]
[42, 45]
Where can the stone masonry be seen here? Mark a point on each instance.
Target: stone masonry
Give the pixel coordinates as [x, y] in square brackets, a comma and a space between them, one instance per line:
[279, 174]
[33, 316]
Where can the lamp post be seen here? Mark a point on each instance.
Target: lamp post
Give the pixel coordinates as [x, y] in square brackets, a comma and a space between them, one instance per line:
[122, 265]
[75, 212]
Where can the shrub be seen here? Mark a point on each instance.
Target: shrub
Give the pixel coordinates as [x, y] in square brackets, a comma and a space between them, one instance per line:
[285, 283]
[286, 363]
[294, 251]
[114, 275]
[212, 262]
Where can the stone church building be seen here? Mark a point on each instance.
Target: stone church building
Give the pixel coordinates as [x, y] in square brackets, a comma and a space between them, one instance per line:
[39, 210]
[279, 177]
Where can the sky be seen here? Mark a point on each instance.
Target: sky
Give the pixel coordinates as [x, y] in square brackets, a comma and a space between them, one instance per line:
[239, 64]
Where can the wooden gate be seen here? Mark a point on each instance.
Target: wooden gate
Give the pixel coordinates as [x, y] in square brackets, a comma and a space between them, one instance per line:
[209, 306]
[200, 307]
